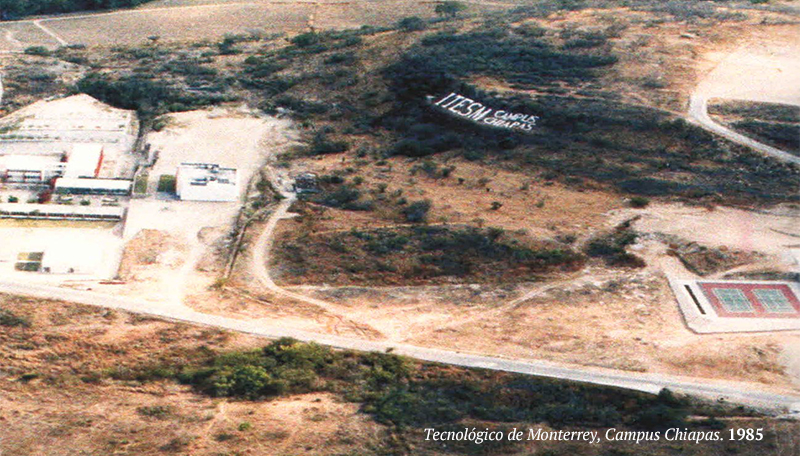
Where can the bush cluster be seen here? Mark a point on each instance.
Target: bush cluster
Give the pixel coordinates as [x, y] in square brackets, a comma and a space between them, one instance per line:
[398, 392]
[8, 318]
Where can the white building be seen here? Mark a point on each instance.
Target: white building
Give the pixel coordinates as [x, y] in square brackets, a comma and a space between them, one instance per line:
[206, 182]
[31, 169]
[60, 212]
[85, 160]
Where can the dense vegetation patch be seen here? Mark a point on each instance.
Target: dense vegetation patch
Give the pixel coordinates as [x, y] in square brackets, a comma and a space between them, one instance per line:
[768, 112]
[149, 96]
[771, 123]
[402, 393]
[611, 246]
[638, 150]
[10, 9]
[516, 58]
[8, 318]
[422, 254]
[783, 135]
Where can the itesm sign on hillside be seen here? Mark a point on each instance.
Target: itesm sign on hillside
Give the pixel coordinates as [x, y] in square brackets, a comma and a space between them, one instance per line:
[480, 113]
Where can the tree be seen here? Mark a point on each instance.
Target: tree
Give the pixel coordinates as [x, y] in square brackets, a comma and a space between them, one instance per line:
[411, 24]
[417, 211]
[450, 8]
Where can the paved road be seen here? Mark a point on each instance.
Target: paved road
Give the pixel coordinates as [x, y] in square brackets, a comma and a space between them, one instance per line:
[732, 392]
[698, 114]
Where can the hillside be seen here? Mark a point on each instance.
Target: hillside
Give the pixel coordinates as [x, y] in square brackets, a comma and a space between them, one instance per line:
[513, 180]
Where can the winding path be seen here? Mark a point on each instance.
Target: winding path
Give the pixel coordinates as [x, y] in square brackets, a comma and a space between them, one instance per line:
[698, 114]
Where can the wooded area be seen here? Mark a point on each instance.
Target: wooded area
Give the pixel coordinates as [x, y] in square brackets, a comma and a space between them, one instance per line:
[13, 9]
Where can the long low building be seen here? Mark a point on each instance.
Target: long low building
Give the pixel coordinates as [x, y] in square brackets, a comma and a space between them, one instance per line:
[30, 169]
[76, 186]
[60, 212]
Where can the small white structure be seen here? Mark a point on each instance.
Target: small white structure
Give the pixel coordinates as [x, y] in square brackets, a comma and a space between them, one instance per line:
[85, 160]
[206, 182]
[30, 168]
[67, 185]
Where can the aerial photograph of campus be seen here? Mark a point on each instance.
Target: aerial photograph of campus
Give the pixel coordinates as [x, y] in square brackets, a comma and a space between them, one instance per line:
[400, 227]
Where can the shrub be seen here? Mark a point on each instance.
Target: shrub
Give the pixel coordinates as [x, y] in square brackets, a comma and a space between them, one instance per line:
[37, 50]
[449, 8]
[8, 318]
[306, 39]
[227, 45]
[340, 197]
[166, 183]
[417, 211]
[323, 146]
[412, 24]
[155, 411]
[611, 246]
[639, 201]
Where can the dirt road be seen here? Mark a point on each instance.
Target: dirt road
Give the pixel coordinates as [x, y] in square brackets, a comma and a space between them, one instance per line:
[738, 393]
[698, 114]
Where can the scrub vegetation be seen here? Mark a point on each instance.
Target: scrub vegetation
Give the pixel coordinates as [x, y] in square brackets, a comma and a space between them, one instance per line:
[423, 254]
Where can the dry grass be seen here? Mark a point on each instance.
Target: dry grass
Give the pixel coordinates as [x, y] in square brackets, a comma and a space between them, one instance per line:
[65, 408]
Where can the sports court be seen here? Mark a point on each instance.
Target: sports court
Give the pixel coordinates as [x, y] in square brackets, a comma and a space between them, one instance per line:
[737, 306]
[751, 300]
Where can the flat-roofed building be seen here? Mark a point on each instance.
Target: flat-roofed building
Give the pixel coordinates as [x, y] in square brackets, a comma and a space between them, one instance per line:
[30, 169]
[73, 186]
[60, 212]
[85, 160]
[206, 182]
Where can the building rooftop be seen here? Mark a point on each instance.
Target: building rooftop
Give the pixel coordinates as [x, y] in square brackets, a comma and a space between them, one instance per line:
[205, 173]
[104, 184]
[84, 160]
[29, 162]
[60, 210]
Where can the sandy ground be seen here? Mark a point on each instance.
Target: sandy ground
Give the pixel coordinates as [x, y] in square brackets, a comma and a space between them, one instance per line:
[229, 137]
[196, 21]
[719, 227]
[93, 251]
[541, 208]
[764, 67]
